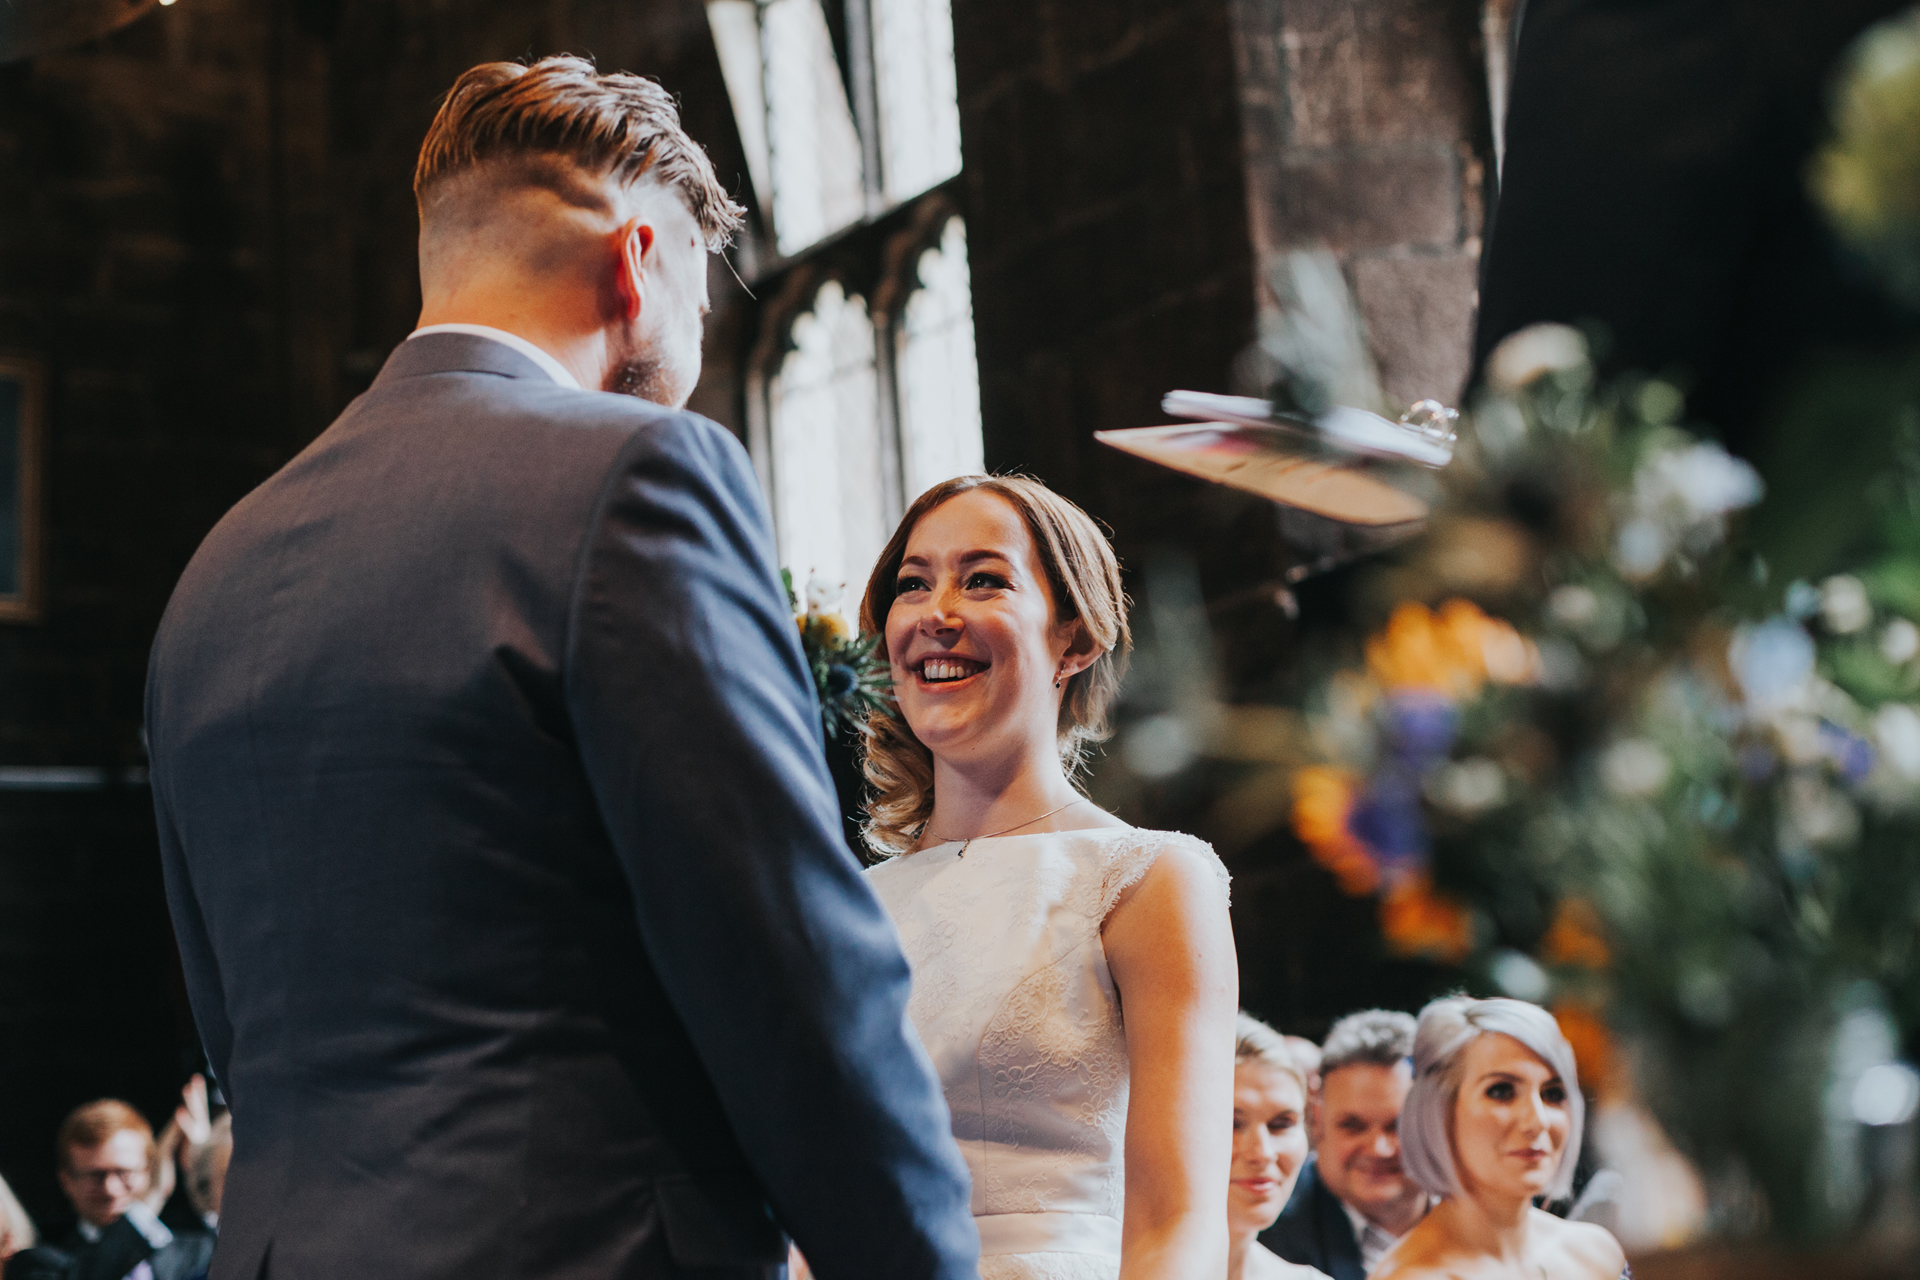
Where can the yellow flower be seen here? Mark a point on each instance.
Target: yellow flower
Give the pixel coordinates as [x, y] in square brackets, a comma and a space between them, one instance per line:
[1417, 921]
[1575, 939]
[828, 628]
[1593, 1051]
[1451, 651]
[1322, 799]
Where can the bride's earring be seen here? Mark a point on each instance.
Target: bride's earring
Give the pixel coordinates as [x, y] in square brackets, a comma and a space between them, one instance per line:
[1056, 679]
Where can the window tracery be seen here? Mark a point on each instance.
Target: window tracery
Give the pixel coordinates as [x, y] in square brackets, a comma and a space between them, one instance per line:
[863, 388]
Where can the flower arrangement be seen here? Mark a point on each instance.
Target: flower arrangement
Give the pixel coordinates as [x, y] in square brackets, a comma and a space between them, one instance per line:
[849, 676]
[1627, 735]
[1595, 757]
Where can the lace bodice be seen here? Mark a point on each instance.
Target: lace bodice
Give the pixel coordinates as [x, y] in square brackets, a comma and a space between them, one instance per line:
[1013, 1000]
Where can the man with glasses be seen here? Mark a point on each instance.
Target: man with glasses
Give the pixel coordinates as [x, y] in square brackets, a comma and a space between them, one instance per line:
[116, 1177]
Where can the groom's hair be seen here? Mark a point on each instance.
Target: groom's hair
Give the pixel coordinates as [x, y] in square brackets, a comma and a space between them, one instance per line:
[562, 125]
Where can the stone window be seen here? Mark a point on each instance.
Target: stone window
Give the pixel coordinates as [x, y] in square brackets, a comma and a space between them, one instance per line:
[863, 389]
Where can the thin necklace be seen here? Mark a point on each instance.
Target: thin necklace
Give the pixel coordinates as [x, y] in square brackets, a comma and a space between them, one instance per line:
[991, 834]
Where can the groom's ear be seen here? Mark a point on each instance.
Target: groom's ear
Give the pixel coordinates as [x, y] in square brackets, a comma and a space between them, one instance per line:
[634, 242]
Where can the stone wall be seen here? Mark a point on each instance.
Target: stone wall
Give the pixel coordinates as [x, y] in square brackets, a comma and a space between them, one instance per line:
[1367, 134]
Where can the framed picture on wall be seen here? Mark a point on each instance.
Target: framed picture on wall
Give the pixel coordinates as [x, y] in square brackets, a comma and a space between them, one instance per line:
[23, 402]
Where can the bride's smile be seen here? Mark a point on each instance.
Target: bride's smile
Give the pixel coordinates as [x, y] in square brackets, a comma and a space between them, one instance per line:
[949, 670]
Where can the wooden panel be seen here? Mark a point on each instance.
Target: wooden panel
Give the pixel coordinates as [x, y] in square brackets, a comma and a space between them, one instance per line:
[23, 401]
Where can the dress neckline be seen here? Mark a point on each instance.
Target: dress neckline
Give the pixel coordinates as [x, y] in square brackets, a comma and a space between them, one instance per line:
[1030, 835]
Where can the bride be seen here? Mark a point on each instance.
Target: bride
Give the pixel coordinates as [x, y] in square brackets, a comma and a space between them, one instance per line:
[1031, 917]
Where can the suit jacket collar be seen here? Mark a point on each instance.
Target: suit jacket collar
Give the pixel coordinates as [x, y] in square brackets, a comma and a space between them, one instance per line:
[1336, 1229]
[458, 353]
[1313, 1229]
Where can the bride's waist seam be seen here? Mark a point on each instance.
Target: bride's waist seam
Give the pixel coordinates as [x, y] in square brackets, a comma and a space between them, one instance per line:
[1061, 1232]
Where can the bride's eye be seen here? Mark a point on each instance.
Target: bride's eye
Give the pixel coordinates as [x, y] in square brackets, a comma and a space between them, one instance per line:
[986, 581]
[909, 583]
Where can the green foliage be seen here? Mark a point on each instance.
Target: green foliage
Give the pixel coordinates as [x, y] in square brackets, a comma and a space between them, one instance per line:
[850, 677]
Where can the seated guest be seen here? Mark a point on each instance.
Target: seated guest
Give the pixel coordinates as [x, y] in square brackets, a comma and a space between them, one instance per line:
[16, 1228]
[1269, 1146]
[110, 1165]
[116, 1177]
[1493, 1122]
[1354, 1201]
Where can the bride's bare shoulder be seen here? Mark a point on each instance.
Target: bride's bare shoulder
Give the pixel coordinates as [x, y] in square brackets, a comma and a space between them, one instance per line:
[1092, 815]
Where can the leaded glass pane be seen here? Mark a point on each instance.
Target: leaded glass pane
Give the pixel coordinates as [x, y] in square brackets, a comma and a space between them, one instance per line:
[829, 490]
[938, 377]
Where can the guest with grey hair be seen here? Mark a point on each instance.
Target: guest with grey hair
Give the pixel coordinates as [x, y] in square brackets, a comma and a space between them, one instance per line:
[1493, 1123]
[1354, 1201]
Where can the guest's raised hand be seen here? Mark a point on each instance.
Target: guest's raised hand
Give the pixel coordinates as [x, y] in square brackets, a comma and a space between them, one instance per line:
[193, 1117]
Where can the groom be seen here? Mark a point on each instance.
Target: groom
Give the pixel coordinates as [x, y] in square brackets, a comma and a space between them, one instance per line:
[502, 856]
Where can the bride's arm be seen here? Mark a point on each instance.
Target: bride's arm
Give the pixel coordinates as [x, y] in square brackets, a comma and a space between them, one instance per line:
[1170, 949]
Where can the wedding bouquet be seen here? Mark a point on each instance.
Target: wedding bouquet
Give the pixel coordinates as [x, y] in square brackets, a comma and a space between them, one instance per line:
[849, 676]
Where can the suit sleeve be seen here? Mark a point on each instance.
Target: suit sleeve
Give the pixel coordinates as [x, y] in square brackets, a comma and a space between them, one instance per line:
[205, 993]
[699, 731]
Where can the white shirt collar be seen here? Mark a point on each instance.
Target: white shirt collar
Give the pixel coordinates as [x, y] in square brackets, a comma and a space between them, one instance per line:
[1380, 1240]
[554, 369]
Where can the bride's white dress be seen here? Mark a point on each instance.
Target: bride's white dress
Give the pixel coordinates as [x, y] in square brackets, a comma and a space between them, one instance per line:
[1012, 998]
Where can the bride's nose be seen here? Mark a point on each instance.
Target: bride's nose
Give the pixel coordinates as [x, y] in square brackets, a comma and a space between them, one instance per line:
[939, 618]
[939, 622]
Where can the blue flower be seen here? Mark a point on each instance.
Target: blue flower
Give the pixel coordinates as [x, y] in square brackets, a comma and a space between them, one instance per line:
[1387, 819]
[1851, 754]
[1420, 726]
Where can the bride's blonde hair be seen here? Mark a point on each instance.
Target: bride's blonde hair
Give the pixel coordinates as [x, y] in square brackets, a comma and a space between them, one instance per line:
[1085, 580]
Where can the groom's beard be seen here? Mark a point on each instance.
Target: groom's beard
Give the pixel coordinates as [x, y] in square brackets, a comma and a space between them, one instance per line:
[645, 377]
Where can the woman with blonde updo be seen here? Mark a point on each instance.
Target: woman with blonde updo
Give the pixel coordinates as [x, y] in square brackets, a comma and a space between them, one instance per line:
[1492, 1123]
[1031, 917]
[1271, 1081]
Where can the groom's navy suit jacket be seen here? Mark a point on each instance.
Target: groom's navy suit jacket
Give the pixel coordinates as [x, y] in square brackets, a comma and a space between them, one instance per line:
[506, 872]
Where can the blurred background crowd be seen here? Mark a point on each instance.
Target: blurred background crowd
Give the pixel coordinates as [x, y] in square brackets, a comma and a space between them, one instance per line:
[138, 1205]
[1317, 1177]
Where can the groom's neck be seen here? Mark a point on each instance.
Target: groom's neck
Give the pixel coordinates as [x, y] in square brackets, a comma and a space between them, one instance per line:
[555, 326]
